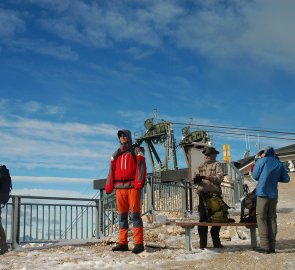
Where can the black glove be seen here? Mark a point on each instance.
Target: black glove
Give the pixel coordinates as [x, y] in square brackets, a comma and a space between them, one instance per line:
[197, 179]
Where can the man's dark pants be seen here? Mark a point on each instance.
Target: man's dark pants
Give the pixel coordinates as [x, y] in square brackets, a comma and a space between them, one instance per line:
[203, 230]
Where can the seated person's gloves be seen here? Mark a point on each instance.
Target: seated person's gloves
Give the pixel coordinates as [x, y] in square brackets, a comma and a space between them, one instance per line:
[198, 178]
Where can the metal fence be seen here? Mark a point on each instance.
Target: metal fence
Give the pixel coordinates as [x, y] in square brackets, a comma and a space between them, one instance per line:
[178, 197]
[29, 219]
[181, 196]
[32, 219]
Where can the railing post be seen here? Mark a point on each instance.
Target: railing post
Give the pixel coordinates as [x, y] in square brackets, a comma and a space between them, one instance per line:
[184, 197]
[149, 195]
[99, 218]
[238, 180]
[191, 197]
[15, 223]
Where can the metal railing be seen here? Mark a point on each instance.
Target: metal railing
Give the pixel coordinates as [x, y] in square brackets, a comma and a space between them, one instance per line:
[28, 219]
[178, 196]
[33, 219]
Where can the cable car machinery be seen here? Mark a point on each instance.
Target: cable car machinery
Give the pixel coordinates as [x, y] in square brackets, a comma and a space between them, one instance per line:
[162, 133]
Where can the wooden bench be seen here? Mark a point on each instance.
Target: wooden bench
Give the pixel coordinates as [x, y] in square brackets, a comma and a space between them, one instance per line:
[188, 225]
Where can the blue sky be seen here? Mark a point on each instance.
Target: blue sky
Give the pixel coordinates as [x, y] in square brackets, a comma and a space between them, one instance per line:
[73, 72]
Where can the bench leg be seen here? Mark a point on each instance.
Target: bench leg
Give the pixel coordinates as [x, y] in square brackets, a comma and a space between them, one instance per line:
[188, 238]
[253, 237]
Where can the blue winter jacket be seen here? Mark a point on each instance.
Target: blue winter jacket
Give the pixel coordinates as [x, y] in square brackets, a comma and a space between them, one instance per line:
[268, 171]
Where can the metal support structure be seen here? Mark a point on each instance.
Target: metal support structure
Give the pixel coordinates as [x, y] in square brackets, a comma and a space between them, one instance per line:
[99, 219]
[150, 196]
[152, 150]
[173, 148]
[188, 238]
[15, 224]
[185, 197]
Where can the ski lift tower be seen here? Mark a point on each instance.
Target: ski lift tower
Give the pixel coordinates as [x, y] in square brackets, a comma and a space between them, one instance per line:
[157, 134]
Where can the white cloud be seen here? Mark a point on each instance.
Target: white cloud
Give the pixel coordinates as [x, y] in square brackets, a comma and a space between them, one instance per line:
[53, 110]
[56, 5]
[11, 24]
[138, 53]
[268, 35]
[44, 47]
[47, 128]
[259, 30]
[11, 107]
[31, 143]
[224, 31]
[136, 117]
[54, 149]
[32, 106]
[36, 179]
[101, 25]
[4, 103]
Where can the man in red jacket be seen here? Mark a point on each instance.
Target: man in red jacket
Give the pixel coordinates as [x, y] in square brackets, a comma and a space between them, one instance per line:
[126, 175]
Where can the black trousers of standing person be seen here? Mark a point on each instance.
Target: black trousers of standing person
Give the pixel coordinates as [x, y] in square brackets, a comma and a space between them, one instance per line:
[203, 230]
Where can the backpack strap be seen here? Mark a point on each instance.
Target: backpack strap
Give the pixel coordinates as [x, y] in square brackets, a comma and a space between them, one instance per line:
[131, 150]
[246, 189]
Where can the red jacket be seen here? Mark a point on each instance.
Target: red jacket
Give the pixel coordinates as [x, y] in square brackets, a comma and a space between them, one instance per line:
[127, 168]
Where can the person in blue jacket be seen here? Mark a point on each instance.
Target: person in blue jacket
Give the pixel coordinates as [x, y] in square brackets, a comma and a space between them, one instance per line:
[268, 171]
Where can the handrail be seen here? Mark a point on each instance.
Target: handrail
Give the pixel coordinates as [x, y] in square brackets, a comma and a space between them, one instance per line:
[26, 220]
[42, 221]
[178, 196]
[55, 198]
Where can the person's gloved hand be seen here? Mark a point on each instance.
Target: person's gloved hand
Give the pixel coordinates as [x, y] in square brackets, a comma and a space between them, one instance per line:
[198, 178]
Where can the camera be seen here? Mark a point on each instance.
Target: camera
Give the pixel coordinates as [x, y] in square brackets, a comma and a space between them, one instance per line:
[197, 179]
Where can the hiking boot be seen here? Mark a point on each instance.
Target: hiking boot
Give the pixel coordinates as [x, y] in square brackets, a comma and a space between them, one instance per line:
[138, 248]
[120, 247]
[219, 246]
[3, 250]
[262, 250]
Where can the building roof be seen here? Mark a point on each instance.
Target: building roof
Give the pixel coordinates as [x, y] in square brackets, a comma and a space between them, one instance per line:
[284, 153]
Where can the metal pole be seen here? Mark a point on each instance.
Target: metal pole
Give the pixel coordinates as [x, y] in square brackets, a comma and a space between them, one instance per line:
[184, 197]
[15, 225]
[149, 195]
[99, 219]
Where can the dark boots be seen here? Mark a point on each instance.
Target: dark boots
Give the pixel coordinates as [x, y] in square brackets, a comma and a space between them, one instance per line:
[215, 237]
[138, 248]
[120, 247]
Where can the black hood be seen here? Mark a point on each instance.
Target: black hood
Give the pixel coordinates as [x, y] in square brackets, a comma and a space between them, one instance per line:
[128, 135]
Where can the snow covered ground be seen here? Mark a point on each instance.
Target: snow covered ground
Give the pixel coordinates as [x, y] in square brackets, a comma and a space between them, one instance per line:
[98, 255]
[165, 249]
